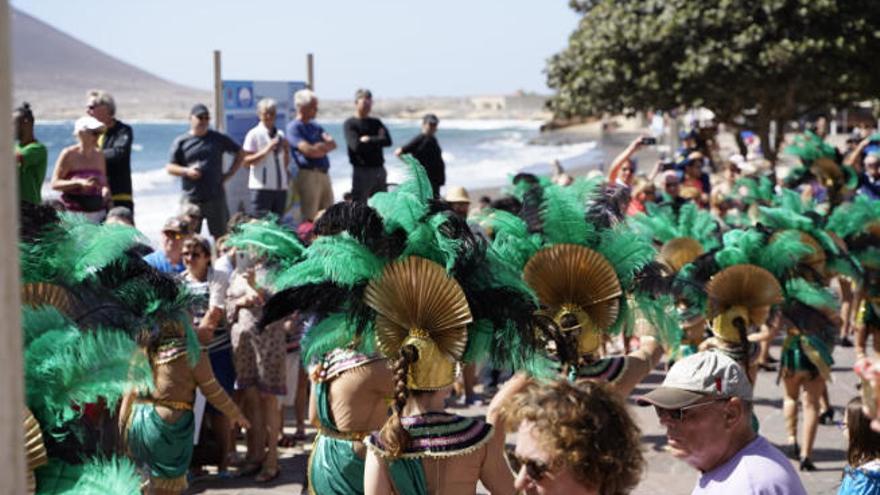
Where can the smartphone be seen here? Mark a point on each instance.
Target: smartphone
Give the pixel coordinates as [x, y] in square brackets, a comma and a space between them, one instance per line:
[649, 141]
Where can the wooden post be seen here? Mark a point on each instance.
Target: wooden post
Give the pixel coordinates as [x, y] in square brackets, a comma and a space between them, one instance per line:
[310, 71]
[218, 94]
[12, 469]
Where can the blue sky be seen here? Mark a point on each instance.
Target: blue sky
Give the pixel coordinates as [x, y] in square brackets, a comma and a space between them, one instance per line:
[395, 47]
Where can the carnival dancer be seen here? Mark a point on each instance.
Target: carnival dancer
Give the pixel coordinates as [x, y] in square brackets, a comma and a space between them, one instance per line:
[680, 239]
[821, 176]
[858, 224]
[593, 276]
[355, 244]
[80, 354]
[422, 323]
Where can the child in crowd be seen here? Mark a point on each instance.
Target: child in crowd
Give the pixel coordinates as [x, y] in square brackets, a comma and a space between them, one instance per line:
[862, 474]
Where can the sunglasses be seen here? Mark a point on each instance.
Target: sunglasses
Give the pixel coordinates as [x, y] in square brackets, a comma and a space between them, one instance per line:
[679, 414]
[536, 470]
[203, 117]
[191, 254]
[173, 235]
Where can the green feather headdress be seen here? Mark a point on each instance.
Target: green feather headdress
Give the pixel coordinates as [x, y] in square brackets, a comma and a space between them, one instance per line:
[329, 279]
[578, 215]
[686, 230]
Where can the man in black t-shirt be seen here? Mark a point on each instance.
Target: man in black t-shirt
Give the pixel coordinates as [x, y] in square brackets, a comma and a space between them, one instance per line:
[426, 150]
[197, 158]
[365, 137]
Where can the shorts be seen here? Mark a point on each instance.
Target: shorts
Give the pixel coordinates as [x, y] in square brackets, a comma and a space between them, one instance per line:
[292, 366]
[266, 201]
[259, 358]
[214, 210]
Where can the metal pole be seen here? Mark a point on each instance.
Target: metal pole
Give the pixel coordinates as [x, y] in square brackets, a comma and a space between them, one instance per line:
[310, 71]
[218, 93]
[12, 470]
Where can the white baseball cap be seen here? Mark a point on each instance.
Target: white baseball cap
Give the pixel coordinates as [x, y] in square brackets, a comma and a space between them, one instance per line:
[87, 123]
[704, 374]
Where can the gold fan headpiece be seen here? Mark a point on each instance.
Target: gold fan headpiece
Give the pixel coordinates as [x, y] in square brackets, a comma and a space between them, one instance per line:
[678, 252]
[418, 304]
[40, 294]
[828, 173]
[579, 289]
[741, 291]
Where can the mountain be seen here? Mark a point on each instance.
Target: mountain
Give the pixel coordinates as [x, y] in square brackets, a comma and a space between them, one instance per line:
[53, 71]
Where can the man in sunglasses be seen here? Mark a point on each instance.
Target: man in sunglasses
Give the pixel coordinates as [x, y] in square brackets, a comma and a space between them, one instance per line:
[197, 158]
[169, 259]
[705, 405]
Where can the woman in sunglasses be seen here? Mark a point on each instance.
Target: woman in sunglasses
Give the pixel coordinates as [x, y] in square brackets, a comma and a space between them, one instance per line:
[578, 440]
[208, 286]
[81, 173]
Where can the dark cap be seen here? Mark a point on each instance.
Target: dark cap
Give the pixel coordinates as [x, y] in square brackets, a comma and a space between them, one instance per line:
[122, 213]
[199, 109]
[430, 119]
[362, 93]
[176, 224]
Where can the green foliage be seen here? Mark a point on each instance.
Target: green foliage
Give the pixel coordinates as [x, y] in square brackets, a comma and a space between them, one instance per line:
[755, 60]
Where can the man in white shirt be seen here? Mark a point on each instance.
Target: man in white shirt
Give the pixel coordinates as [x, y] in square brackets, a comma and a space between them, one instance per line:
[267, 158]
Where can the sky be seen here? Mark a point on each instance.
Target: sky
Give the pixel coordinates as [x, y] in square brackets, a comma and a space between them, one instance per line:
[397, 48]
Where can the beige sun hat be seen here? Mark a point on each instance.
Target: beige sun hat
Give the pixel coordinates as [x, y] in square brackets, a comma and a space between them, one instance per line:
[457, 194]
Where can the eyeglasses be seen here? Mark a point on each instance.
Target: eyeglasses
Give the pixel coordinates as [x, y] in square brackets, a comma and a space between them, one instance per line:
[203, 117]
[173, 235]
[191, 254]
[679, 414]
[536, 470]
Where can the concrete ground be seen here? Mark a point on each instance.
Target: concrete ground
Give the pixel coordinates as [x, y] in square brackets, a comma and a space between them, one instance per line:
[664, 474]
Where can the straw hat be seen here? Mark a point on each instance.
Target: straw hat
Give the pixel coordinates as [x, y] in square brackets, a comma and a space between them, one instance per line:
[457, 194]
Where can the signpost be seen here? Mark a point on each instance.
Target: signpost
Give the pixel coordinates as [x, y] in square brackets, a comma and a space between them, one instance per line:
[239, 110]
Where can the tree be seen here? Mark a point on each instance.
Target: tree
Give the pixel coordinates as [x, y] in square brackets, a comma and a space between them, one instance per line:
[751, 62]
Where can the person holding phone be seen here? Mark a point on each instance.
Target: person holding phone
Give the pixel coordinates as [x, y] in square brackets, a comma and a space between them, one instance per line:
[623, 168]
[267, 157]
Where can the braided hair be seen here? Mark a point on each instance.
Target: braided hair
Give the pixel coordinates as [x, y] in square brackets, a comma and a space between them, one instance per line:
[393, 434]
[25, 112]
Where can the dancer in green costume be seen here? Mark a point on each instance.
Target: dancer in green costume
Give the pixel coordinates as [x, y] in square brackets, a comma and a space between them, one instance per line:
[355, 242]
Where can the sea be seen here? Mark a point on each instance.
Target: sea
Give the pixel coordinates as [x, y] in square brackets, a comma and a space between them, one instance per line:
[478, 154]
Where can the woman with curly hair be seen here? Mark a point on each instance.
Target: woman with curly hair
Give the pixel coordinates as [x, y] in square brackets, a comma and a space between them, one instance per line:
[575, 440]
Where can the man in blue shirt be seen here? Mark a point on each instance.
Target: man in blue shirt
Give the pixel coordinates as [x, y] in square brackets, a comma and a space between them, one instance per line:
[169, 258]
[310, 144]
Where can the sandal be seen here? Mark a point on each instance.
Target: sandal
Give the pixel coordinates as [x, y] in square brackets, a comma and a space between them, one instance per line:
[266, 475]
[287, 441]
[299, 436]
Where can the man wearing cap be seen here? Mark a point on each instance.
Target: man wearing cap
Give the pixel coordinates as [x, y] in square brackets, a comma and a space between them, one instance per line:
[705, 403]
[426, 150]
[115, 142]
[169, 258]
[672, 191]
[197, 158]
[310, 144]
[365, 137]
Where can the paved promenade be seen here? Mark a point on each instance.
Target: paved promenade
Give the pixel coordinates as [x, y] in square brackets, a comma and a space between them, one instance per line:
[665, 475]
